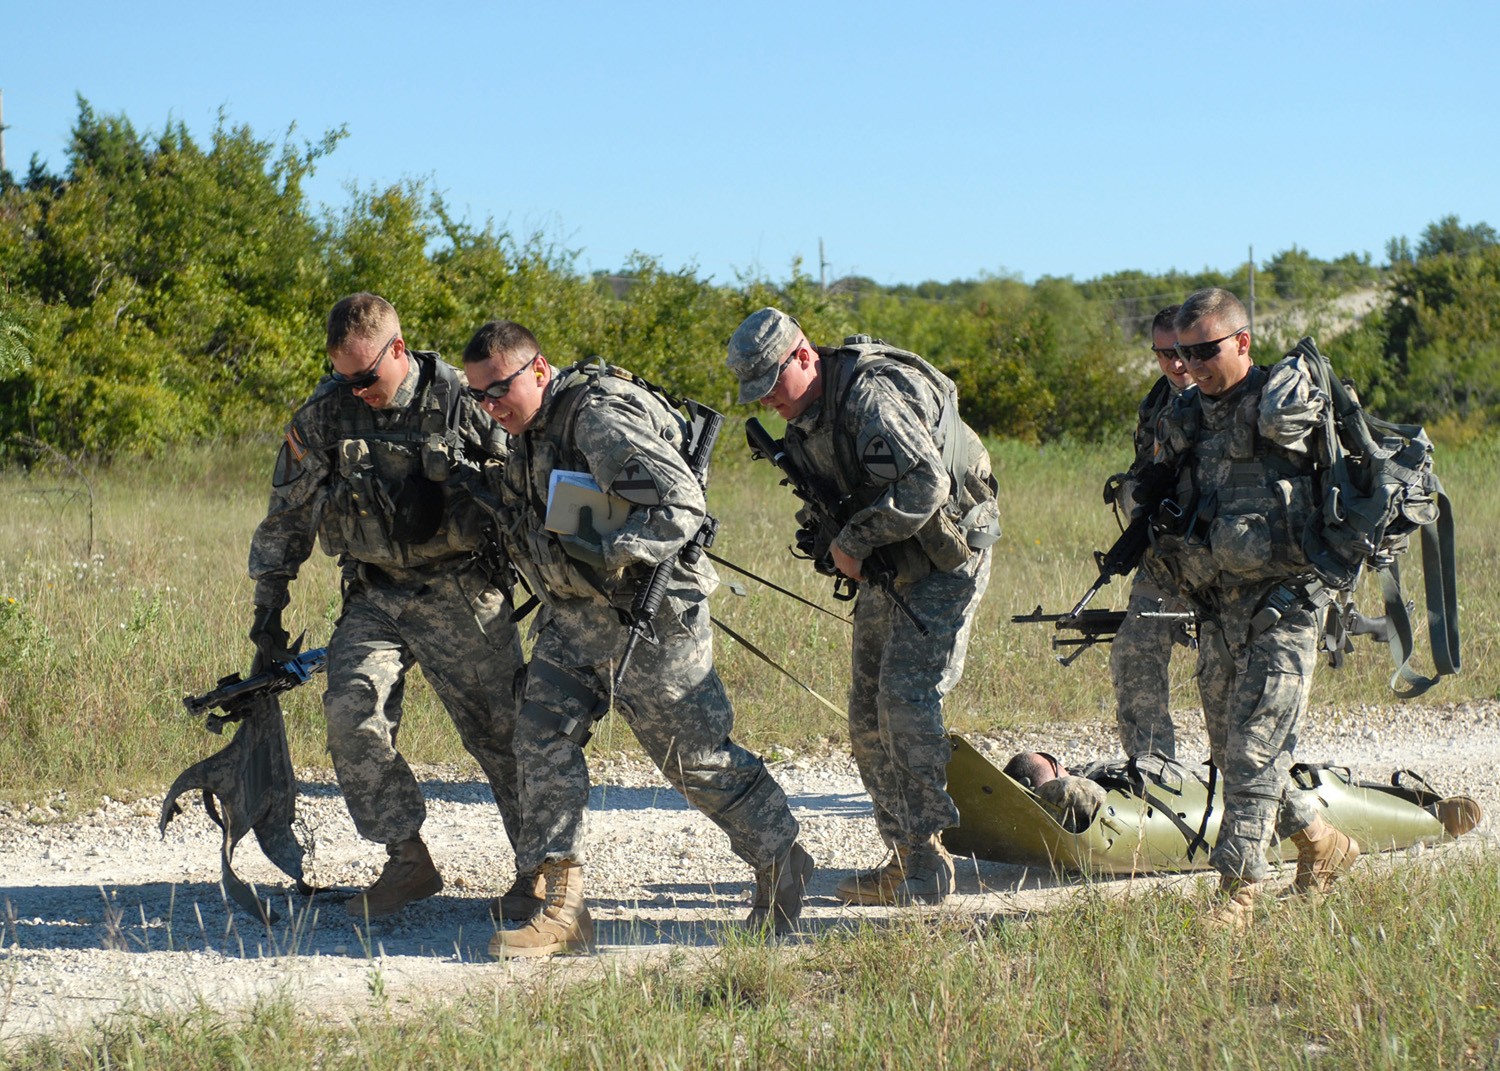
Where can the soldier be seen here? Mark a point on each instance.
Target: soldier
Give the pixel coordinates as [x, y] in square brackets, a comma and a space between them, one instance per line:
[1142, 648]
[375, 464]
[601, 424]
[878, 429]
[1244, 446]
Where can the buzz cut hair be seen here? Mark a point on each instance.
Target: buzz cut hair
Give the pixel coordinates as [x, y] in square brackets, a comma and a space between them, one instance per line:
[499, 338]
[1211, 303]
[1162, 321]
[362, 315]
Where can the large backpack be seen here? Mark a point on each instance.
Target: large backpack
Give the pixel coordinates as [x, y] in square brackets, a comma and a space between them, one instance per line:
[1378, 489]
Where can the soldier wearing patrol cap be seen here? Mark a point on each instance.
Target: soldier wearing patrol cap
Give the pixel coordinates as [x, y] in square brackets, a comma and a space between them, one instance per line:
[601, 424]
[908, 484]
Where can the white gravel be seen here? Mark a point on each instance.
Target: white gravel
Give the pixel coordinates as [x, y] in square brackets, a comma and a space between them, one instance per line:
[101, 915]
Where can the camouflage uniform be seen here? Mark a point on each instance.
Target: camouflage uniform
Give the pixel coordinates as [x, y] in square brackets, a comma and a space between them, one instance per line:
[872, 439]
[1247, 472]
[630, 442]
[388, 492]
[1142, 648]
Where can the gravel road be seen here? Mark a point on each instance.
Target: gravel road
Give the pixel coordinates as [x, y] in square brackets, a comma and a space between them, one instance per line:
[102, 915]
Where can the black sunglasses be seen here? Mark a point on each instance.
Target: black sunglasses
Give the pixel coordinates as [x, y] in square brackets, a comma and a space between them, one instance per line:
[501, 387]
[1203, 352]
[1166, 353]
[366, 378]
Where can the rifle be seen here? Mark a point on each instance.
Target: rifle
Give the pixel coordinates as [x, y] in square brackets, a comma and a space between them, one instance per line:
[236, 695]
[703, 433]
[875, 567]
[1096, 626]
[1152, 492]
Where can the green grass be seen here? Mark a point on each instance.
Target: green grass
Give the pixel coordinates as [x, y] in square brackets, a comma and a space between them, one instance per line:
[120, 596]
[1398, 968]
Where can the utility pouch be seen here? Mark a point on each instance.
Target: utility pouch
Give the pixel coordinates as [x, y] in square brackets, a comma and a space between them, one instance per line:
[944, 543]
[437, 458]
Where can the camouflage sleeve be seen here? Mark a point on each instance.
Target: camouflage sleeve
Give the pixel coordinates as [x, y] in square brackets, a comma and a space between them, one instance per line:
[299, 491]
[891, 417]
[1291, 406]
[632, 450]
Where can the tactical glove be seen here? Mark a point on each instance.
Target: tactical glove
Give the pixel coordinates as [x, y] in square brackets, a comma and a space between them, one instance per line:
[1112, 488]
[586, 545]
[272, 644]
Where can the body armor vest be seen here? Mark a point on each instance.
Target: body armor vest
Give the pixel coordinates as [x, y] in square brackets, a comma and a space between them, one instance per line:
[968, 521]
[389, 500]
[1246, 501]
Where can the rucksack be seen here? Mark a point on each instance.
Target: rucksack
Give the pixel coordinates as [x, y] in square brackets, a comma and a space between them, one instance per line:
[1378, 488]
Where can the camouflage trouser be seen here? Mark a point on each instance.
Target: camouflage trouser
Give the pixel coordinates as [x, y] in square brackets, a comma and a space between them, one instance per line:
[1255, 691]
[458, 629]
[673, 701]
[899, 678]
[1138, 661]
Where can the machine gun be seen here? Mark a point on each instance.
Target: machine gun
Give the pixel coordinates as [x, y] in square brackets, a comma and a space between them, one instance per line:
[814, 542]
[1158, 511]
[703, 433]
[1099, 626]
[236, 695]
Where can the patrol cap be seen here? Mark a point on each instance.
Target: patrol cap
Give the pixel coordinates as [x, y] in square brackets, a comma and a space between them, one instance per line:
[757, 349]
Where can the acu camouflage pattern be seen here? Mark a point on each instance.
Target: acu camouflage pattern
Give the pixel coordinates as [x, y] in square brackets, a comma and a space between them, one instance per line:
[1141, 653]
[671, 697]
[342, 475]
[1249, 469]
[899, 677]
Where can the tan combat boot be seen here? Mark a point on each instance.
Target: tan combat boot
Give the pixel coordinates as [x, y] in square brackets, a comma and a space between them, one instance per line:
[1324, 854]
[408, 875]
[521, 901]
[1234, 905]
[875, 886]
[1458, 814]
[778, 892]
[563, 924]
[929, 874]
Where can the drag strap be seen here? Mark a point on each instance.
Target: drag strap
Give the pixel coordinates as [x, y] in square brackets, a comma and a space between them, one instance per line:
[768, 660]
[777, 588]
[1142, 785]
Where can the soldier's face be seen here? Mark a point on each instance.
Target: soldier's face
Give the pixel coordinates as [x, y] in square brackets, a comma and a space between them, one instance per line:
[799, 384]
[1230, 362]
[516, 409]
[382, 357]
[1172, 366]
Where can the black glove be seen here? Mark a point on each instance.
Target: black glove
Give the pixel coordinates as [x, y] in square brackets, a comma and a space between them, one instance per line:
[272, 644]
[1112, 488]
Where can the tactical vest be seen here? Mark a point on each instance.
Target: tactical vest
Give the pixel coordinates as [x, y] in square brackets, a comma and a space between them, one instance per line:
[967, 522]
[1247, 528]
[388, 501]
[548, 570]
[1158, 400]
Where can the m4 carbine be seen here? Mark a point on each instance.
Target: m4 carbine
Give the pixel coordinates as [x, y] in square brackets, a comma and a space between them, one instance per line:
[1153, 494]
[236, 695]
[1100, 626]
[814, 543]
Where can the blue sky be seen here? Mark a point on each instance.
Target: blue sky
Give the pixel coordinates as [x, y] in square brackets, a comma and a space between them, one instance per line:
[918, 142]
